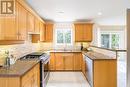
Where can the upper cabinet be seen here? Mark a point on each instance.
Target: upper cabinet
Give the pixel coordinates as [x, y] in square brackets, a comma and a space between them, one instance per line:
[14, 28]
[8, 29]
[21, 17]
[37, 25]
[83, 32]
[30, 22]
[88, 32]
[78, 32]
[42, 31]
[49, 32]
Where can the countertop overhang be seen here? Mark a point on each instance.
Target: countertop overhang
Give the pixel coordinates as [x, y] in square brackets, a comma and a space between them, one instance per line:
[19, 68]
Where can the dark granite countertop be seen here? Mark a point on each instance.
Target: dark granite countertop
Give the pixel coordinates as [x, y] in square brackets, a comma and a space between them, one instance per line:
[97, 56]
[19, 68]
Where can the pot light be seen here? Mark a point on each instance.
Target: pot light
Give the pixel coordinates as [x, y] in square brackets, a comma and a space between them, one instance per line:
[99, 13]
[61, 12]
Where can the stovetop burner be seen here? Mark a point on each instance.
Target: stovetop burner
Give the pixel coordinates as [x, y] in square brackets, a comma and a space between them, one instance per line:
[37, 55]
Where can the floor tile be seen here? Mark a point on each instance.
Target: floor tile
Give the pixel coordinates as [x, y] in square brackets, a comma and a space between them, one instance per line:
[67, 79]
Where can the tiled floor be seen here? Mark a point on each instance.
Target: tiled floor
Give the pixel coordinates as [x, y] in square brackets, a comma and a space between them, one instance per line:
[67, 79]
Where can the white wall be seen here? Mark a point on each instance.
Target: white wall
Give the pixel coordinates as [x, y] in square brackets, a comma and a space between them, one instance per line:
[97, 29]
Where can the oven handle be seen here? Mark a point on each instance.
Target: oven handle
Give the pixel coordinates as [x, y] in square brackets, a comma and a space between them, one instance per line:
[46, 61]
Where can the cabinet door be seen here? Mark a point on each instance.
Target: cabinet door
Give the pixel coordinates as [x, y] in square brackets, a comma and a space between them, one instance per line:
[36, 76]
[59, 61]
[88, 32]
[21, 22]
[78, 61]
[42, 31]
[28, 83]
[8, 29]
[68, 61]
[79, 32]
[30, 22]
[37, 28]
[49, 32]
[52, 62]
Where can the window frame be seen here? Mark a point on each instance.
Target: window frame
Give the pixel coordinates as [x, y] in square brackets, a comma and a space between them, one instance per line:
[63, 44]
[110, 33]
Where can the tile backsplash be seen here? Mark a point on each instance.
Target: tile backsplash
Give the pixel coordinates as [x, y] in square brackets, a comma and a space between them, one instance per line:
[21, 50]
[18, 50]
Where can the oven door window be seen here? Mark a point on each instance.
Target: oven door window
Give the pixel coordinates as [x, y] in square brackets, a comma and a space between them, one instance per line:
[46, 69]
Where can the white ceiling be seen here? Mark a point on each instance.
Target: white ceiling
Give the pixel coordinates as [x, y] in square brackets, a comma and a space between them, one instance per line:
[113, 11]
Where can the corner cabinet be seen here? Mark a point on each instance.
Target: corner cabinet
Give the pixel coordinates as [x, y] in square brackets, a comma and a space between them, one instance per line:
[29, 79]
[83, 32]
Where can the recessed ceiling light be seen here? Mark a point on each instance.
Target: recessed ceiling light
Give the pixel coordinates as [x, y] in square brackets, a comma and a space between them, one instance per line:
[99, 13]
[61, 12]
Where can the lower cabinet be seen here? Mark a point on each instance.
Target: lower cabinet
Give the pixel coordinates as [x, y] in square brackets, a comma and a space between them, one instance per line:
[100, 73]
[32, 78]
[66, 61]
[78, 60]
[59, 61]
[29, 79]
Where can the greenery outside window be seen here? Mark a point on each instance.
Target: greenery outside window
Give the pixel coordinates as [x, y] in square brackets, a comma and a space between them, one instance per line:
[63, 36]
[110, 40]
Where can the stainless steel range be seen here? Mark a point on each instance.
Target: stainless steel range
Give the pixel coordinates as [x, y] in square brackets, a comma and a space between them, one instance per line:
[44, 65]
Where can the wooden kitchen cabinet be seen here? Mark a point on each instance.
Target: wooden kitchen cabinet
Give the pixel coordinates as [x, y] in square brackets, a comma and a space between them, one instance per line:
[49, 32]
[59, 59]
[21, 19]
[39, 36]
[65, 61]
[68, 61]
[29, 79]
[14, 28]
[42, 31]
[8, 30]
[37, 25]
[100, 72]
[88, 32]
[83, 32]
[78, 32]
[52, 62]
[78, 61]
[30, 22]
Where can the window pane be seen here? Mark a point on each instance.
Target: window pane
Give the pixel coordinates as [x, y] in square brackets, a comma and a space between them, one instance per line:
[115, 41]
[59, 36]
[68, 36]
[105, 40]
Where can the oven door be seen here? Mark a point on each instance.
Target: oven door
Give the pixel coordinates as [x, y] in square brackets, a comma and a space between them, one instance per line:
[46, 71]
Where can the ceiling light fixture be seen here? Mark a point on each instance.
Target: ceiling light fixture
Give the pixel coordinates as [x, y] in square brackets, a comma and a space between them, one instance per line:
[99, 13]
[61, 12]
